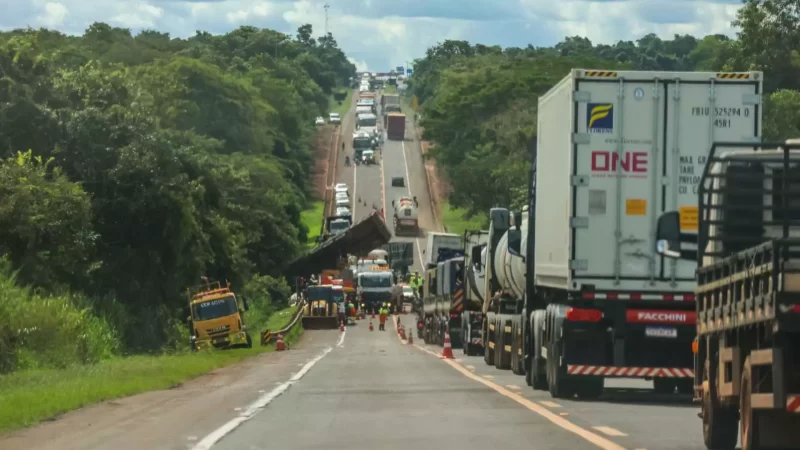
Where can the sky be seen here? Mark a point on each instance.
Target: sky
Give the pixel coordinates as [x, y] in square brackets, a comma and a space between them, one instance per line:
[378, 35]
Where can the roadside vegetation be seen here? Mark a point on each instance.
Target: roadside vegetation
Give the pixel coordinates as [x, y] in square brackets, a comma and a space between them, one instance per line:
[312, 219]
[340, 102]
[30, 396]
[130, 167]
[478, 103]
[456, 220]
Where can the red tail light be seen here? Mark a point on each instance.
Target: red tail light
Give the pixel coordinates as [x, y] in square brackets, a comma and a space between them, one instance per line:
[584, 315]
[453, 316]
[420, 324]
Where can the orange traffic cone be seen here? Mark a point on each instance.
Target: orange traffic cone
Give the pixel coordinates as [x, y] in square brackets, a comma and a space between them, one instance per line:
[341, 326]
[370, 325]
[279, 344]
[447, 350]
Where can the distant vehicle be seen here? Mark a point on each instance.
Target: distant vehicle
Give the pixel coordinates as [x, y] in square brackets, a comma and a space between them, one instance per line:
[320, 121]
[408, 294]
[343, 202]
[334, 118]
[342, 195]
[341, 187]
[342, 211]
[369, 157]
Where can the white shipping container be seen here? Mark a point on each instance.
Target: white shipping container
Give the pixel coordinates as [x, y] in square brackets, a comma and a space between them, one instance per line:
[438, 241]
[614, 151]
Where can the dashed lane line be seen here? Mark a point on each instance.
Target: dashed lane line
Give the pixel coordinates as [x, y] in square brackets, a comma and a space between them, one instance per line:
[207, 442]
[550, 404]
[609, 431]
[558, 420]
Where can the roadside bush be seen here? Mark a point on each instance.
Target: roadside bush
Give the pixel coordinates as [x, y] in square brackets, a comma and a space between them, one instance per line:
[265, 294]
[47, 331]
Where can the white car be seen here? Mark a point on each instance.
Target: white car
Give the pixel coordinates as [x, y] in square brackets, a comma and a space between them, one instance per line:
[341, 187]
[334, 118]
[342, 195]
[343, 202]
[320, 121]
[342, 211]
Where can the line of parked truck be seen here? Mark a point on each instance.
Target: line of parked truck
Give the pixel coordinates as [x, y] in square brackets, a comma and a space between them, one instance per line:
[660, 241]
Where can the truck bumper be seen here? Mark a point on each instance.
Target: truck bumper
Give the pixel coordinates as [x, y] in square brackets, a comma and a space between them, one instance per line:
[221, 342]
[624, 345]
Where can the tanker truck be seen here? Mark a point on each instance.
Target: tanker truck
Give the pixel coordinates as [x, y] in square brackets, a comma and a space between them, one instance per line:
[405, 216]
[575, 291]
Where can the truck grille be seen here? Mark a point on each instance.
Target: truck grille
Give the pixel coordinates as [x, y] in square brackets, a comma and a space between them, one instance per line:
[216, 331]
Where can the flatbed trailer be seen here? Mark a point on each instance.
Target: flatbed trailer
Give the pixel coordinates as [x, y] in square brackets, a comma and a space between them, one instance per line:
[747, 353]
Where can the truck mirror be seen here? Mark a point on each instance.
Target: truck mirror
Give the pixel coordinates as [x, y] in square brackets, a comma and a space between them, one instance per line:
[514, 241]
[517, 219]
[668, 235]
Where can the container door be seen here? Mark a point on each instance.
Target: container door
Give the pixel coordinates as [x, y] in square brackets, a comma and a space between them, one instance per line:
[699, 114]
[617, 178]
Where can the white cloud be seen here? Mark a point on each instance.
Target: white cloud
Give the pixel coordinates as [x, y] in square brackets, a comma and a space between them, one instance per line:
[361, 66]
[382, 34]
[53, 15]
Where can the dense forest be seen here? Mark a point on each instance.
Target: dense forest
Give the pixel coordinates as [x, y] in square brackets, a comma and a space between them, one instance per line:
[132, 165]
[479, 103]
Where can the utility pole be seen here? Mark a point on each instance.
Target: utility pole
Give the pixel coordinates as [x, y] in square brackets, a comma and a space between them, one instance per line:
[327, 6]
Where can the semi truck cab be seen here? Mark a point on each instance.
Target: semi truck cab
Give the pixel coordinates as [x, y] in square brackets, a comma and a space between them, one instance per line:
[217, 319]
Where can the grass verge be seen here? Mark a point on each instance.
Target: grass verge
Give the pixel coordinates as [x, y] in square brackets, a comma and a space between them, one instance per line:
[343, 107]
[31, 396]
[312, 218]
[454, 220]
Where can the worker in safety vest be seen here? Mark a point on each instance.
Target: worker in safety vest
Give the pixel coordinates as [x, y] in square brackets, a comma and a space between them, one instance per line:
[415, 282]
[384, 313]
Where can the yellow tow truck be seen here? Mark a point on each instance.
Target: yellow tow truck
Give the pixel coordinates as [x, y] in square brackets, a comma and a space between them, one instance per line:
[216, 319]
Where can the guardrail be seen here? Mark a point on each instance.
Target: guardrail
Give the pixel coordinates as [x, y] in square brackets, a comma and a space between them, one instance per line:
[269, 336]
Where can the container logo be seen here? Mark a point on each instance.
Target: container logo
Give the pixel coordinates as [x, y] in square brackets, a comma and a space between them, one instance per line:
[600, 118]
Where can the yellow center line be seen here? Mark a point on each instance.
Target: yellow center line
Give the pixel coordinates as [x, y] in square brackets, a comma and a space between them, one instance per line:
[565, 424]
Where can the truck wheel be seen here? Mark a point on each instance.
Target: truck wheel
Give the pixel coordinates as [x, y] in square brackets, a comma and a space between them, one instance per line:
[513, 359]
[720, 425]
[456, 340]
[517, 354]
[538, 367]
[560, 386]
[488, 341]
[750, 429]
[249, 343]
[503, 356]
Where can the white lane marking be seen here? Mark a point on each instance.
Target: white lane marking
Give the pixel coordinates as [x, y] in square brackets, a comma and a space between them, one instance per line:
[257, 406]
[609, 431]
[408, 185]
[341, 338]
[513, 386]
[470, 367]
[550, 404]
[489, 377]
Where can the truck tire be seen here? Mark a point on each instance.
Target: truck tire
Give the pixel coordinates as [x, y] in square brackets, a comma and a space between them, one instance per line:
[249, 343]
[720, 425]
[558, 382]
[456, 339]
[502, 356]
[517, 353]
[750, 425]
[488, 340]
[538, 366]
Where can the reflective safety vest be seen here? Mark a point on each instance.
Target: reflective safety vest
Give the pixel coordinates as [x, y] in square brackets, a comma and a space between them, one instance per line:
[415, 282]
